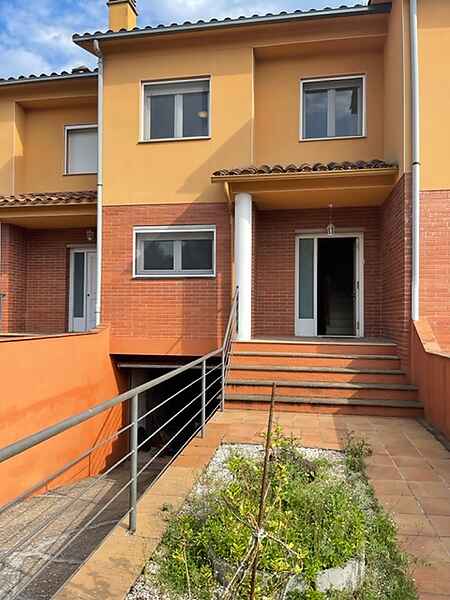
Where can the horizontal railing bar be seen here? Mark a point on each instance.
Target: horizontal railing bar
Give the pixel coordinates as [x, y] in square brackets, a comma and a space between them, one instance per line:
[169, 420]
[148, 463]
[73, 538]
[60, 471]
[49, 432]
[158, 406]
[54, 516]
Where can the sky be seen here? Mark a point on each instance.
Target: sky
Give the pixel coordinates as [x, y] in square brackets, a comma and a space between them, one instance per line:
[36, 35]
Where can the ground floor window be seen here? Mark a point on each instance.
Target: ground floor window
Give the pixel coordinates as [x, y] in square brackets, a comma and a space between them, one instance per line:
[175, 251]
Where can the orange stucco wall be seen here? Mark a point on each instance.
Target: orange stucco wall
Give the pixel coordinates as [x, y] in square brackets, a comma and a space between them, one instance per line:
[254, 104]
[44, 137]
[434, 48]
[277, 107]
[44, 381]
[175, 171]
[32, 119]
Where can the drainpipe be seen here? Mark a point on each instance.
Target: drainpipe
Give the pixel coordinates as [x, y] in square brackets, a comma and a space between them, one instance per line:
[98, 303]
[415, 167]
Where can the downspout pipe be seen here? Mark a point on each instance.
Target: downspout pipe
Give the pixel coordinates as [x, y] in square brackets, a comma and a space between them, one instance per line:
[415, 166]
[98, 302]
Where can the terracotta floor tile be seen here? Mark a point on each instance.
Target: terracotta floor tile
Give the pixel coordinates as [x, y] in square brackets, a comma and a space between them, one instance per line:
[426, 548]
[380, 460]
[436, 506]
[411, 461]
[413, 525]
[446, 542]
[392, 488]
[405, 449]
[419, 474]
[441, 524]
[429, 489]
[434, 580]
[376, 473]
[407, 505]
[426, 596]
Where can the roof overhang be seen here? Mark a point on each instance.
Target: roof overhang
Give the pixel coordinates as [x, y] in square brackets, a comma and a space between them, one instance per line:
[86, 40]
[64, 210]
[317, 189]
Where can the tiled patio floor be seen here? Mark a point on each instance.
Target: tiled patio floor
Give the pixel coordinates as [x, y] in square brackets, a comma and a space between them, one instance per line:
[410, 471]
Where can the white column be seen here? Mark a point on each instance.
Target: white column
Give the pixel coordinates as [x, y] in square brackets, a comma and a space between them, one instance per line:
[243, 263]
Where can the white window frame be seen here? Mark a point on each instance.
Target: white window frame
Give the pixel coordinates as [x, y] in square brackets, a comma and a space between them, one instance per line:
[178, 92]
[67, 129]
[175, 273]
[330, 80]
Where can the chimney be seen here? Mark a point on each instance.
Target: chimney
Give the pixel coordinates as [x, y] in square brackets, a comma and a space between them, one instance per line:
[122, 14]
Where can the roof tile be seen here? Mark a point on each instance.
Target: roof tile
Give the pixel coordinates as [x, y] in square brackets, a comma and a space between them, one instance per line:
[304, 168]
[49, 199]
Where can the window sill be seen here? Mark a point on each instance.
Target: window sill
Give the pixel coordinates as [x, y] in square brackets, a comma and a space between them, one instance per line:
[181, 139]
[175, 276]
[332, 139]
[79, 174]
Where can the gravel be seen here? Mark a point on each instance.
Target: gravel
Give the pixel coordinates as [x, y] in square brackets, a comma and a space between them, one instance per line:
[144, 588]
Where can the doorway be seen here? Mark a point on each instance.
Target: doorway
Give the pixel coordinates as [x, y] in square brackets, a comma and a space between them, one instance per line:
[82, 289]
[329, 285]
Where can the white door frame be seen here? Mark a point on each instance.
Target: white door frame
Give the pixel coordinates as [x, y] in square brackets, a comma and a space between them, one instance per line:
[73, 249]
[359, 297]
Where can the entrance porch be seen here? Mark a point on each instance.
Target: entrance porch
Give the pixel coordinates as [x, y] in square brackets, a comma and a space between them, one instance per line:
[310, 249]
[48, 263]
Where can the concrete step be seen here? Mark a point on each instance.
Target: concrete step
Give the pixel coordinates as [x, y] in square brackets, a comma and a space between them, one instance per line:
[317, 346]
[374, 406]
[330, 389]
[314, 359]
[313, 373]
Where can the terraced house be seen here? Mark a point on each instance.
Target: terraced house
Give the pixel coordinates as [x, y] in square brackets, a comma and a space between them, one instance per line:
[301, 158]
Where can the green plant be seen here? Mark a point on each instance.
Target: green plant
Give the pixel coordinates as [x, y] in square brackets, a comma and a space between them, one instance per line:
[314, 520]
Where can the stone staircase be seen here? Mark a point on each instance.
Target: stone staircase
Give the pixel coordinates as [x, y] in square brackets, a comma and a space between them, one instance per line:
[348, 377]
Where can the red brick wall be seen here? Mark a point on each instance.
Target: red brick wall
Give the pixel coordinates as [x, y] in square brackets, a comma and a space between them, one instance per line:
[396, 266]
[48, 278]
[435, 263]
[275, 264]
[13, 271]
[178, 308]
[35, 277]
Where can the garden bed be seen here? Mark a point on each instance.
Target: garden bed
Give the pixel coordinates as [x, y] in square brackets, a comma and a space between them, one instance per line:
[322, 535]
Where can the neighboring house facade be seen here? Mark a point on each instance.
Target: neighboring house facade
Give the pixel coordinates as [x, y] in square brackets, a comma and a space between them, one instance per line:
[317, 235]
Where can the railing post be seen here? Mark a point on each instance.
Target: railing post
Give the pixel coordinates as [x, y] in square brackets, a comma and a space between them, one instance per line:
[133, 462]
[202, 433]
[222, 399]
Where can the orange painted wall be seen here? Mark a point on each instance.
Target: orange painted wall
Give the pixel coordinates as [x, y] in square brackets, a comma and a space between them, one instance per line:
[44, 137]
[175, 171]
[277, 107]
[430, 371]
[44, 381]
[32, 119]
[434, 49]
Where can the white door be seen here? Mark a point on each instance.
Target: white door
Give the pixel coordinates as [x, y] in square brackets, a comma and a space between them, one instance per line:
[306, 294]
[83, 289]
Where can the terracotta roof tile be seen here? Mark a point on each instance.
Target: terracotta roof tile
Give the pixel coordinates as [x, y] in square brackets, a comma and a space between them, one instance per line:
[76, 73]
[304, 168]
[49, 199]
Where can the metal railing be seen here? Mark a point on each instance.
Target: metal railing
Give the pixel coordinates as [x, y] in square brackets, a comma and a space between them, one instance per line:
[203, 396]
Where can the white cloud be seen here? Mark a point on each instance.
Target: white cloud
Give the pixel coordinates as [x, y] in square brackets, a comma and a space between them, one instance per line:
[36, 35]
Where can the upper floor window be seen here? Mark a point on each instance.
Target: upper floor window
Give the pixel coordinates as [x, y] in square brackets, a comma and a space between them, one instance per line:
[178, 251]
[176, 109]
[332, 108]
[81, 149]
